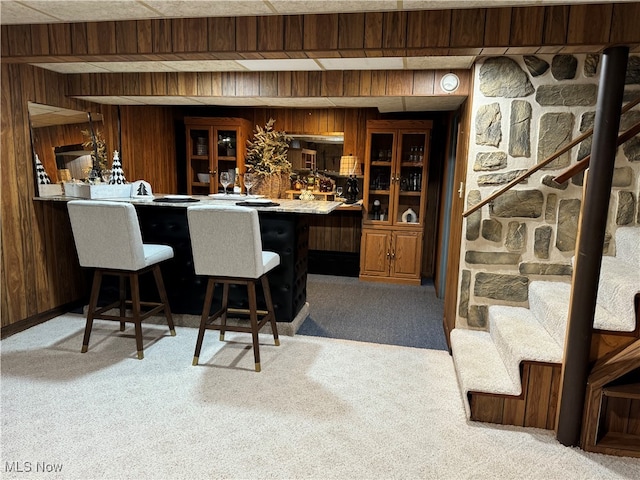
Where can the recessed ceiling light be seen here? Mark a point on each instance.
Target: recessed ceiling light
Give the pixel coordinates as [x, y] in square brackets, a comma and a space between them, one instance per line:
[450, 82]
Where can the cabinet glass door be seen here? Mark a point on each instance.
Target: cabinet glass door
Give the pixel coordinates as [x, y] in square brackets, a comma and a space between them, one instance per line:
[226, 154]
[199, 166]
[410, 175]
[381, 152]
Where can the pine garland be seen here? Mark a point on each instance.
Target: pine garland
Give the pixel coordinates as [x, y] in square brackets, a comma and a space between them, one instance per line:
[267, 152]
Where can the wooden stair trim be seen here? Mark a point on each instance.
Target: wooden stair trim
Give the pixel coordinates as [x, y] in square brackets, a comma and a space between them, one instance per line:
[605, 371]
[535, 407]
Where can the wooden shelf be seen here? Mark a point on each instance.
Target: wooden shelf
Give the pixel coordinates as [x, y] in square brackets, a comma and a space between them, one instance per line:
[291, 194]
[620, 441]
[630, 391]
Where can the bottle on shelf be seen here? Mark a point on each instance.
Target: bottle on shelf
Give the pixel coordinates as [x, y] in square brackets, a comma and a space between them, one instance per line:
[237, 186]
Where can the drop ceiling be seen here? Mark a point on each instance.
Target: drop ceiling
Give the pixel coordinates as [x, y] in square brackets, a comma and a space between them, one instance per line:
[66, 11]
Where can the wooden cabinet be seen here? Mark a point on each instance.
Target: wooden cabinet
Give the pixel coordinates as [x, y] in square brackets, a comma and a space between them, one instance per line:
[214, 145]
[394, 200]
[391, 255]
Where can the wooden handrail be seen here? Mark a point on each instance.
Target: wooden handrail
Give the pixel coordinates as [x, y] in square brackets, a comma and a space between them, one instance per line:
[542, 164]
[584, 163]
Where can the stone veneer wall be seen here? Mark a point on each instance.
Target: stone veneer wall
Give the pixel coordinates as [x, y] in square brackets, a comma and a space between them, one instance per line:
[525, 109]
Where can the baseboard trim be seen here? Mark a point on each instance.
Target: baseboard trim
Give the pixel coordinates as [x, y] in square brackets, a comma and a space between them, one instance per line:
[37, 319]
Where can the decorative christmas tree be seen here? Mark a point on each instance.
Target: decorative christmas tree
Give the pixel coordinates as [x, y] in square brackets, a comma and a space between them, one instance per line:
[43, 177]
[117, 174]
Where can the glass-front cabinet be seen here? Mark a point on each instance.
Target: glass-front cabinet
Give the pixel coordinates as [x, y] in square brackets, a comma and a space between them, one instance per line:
[214, 145]
[394, 201]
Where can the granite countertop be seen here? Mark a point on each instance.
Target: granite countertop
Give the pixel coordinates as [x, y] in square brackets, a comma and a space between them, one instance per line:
[315, 207]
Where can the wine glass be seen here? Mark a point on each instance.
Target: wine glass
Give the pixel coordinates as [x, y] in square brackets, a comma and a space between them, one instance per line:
[249, 180]
[225, 180]
[339, 192]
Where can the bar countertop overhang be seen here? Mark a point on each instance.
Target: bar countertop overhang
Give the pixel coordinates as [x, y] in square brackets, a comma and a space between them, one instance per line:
[313, 207]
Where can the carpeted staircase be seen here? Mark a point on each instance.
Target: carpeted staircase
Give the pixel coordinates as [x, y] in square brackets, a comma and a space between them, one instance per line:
[510, 374]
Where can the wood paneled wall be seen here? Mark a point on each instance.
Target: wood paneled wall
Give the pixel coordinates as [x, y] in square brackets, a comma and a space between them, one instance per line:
[363, 83]
[148, 149]
[38, 271]
[475, 31]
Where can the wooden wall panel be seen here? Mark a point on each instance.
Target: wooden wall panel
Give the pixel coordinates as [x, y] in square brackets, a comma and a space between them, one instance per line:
[149, 146]
[187, 35]
[521, 30]
[527, 26]
[270, 33]
[127, 37]
[161, 36]
[497, 26]
[39, 39]
[394, 32]
[101, 38]
[222, 34]
[372, 28]
[428, 28]
[60, 39]
[583, 29]
[351, 31]
[320, 32]
[467, 27]
[624, 21]
[33, 239]
[555, 26]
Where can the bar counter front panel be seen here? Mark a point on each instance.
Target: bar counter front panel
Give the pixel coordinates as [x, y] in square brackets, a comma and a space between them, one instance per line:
[284, 230]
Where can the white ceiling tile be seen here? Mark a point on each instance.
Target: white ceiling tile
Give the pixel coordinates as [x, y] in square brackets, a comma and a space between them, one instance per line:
[72, 67]
[323, 6]
[18, 12]
[87, 10]
[233, 101]
[205, 66]
[438, 63]
[133, 67]
[420, 104]
[369, 63]
[282, 65]
[209, 8]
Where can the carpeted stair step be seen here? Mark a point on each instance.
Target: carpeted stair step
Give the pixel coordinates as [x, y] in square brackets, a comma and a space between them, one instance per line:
[619, 284]
[519, 336]
[549, 303]
[479, 366]
[628, 245]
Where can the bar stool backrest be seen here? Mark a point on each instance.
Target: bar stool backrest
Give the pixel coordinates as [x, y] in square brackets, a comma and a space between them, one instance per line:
[107, 234]
[225, 241]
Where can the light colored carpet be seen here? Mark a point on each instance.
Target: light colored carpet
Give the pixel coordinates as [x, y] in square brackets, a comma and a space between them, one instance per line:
[321, 408]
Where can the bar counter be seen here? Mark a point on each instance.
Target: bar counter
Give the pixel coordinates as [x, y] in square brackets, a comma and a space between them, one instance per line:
[284, 229]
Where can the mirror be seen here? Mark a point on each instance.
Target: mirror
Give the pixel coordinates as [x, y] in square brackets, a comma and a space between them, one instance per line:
[320, 153]
[66, 141]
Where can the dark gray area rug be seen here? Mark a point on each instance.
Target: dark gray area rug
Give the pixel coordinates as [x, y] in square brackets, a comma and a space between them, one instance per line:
[346, 308]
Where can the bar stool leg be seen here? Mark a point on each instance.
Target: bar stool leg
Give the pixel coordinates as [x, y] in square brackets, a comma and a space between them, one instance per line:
[157, 273]
[208, 298]
[267, 297]
[225, 305]
[93, 302]
[123, 300]
[253, 316]
[135, 301]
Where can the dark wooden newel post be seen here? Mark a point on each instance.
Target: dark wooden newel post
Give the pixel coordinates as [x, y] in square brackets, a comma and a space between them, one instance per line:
[586, 274]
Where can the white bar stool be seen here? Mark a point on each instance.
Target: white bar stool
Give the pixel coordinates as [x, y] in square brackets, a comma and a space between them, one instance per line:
[108, 238]
[227, 248]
